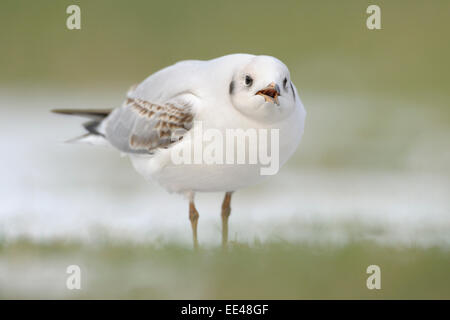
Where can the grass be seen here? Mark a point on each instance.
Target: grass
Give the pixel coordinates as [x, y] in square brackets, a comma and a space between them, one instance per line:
[274, 270]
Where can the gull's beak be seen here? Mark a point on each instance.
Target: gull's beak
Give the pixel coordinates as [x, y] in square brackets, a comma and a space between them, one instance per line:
[270, 93]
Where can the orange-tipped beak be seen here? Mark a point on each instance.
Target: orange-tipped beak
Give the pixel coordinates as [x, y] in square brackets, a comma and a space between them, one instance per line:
[270, 93]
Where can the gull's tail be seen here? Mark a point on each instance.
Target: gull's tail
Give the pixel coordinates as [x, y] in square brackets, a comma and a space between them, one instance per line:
[94, 133]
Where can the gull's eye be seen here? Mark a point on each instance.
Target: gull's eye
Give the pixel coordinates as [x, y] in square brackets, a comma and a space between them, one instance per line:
[285, 83]
[248, 81]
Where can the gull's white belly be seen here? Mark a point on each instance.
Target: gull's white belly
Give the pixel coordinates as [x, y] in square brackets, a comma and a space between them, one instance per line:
[207, 178]
[196, 177]
[215, 177]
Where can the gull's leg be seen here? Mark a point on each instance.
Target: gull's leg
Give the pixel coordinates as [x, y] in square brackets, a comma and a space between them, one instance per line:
[226, 211]
[193, 216]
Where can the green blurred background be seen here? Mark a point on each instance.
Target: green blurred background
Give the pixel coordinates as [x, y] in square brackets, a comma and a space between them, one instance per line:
[325, 43]
[378, 109]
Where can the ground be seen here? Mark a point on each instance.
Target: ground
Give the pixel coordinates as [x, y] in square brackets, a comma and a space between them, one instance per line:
[276, 270]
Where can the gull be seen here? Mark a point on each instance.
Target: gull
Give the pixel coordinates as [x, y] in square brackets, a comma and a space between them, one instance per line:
[159, 118]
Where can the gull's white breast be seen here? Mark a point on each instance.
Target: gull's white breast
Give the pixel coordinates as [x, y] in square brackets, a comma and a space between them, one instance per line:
[217, 177]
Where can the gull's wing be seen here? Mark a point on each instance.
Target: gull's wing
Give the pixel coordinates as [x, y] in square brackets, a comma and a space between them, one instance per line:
[164, 85]
[158, 111]
[140, 126]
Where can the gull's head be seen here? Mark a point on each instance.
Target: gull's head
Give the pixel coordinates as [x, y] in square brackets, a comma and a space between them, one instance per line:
[262, 89]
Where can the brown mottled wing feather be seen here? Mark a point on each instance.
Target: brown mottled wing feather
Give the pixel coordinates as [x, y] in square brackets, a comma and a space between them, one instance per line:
[141, 127]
